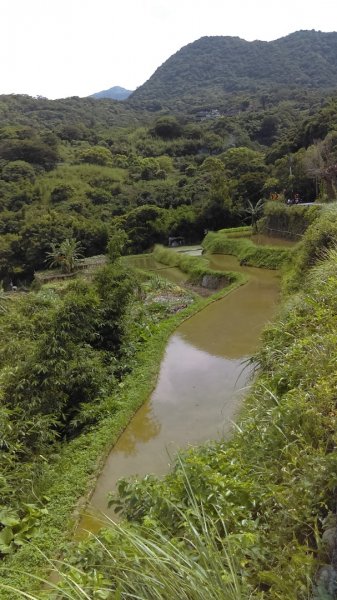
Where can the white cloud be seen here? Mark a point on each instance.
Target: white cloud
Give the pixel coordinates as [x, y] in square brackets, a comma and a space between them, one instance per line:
[76, 47]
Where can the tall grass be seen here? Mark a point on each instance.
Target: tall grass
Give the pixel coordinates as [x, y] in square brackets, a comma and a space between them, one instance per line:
[235, 232]
[145, 563]
[320, 235]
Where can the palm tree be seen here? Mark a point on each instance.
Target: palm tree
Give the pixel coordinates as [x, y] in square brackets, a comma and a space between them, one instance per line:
[65, 256]
[254, 211]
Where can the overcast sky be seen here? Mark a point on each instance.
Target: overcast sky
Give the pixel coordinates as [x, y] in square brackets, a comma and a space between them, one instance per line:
[59, 48]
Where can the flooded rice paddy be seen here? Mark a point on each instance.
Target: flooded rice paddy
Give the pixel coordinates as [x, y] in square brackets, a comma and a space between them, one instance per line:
[203, 378]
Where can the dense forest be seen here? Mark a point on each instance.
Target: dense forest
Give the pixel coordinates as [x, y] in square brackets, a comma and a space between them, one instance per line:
[223, 129]
[80, 167]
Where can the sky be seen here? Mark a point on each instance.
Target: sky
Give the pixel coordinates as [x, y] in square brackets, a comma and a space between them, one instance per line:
[61, 48]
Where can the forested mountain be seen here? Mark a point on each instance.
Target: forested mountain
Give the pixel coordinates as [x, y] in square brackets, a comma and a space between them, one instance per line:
[212, 69]
[115, 93]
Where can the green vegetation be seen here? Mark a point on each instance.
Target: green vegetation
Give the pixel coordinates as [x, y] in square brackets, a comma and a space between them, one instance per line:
[240, 232]
[80, 169]
[262, 499]
[65, 256]
[247, 252]
[287, 221]
[58, 361]
[218, 71]
[215, 136]
[115, 355]
[320, 236]
[167, 568]
[196, 268]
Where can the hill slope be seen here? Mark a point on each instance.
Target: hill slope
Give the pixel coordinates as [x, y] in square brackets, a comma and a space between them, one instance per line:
[212, 68]
[74, 111]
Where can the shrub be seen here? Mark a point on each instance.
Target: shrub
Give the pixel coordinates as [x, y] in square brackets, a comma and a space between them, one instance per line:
[321, 235]
[287, 221]
[60, 193]
[17, 170]
[96, 155]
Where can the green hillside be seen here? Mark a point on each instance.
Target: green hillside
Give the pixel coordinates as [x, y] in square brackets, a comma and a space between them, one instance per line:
[212, 69]
[81, 167]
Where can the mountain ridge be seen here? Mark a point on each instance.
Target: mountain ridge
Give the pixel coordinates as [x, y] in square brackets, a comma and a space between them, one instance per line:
[217, 66]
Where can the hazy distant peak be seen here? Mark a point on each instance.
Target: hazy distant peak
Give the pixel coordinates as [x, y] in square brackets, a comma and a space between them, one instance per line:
[115, 93]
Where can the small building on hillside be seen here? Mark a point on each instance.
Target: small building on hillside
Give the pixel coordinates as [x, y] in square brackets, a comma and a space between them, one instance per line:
[174, 242]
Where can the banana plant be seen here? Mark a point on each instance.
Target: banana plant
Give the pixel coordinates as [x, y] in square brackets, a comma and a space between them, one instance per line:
[16, 530]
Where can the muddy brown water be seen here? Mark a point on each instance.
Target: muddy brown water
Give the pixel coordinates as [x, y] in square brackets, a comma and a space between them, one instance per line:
[203, 378]
[265, 240]
[261, 239]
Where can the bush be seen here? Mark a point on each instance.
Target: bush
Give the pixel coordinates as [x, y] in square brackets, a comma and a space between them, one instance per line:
[17, 170]
[60, 193]
[35, 152]
[96, 155]
[320, 236]
[287, 221]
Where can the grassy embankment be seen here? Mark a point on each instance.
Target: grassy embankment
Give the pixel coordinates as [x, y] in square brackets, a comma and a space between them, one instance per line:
[262, 498]
[225, 241]
[195, 267]
[73, 473]
[287, 221]
[248, 253]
